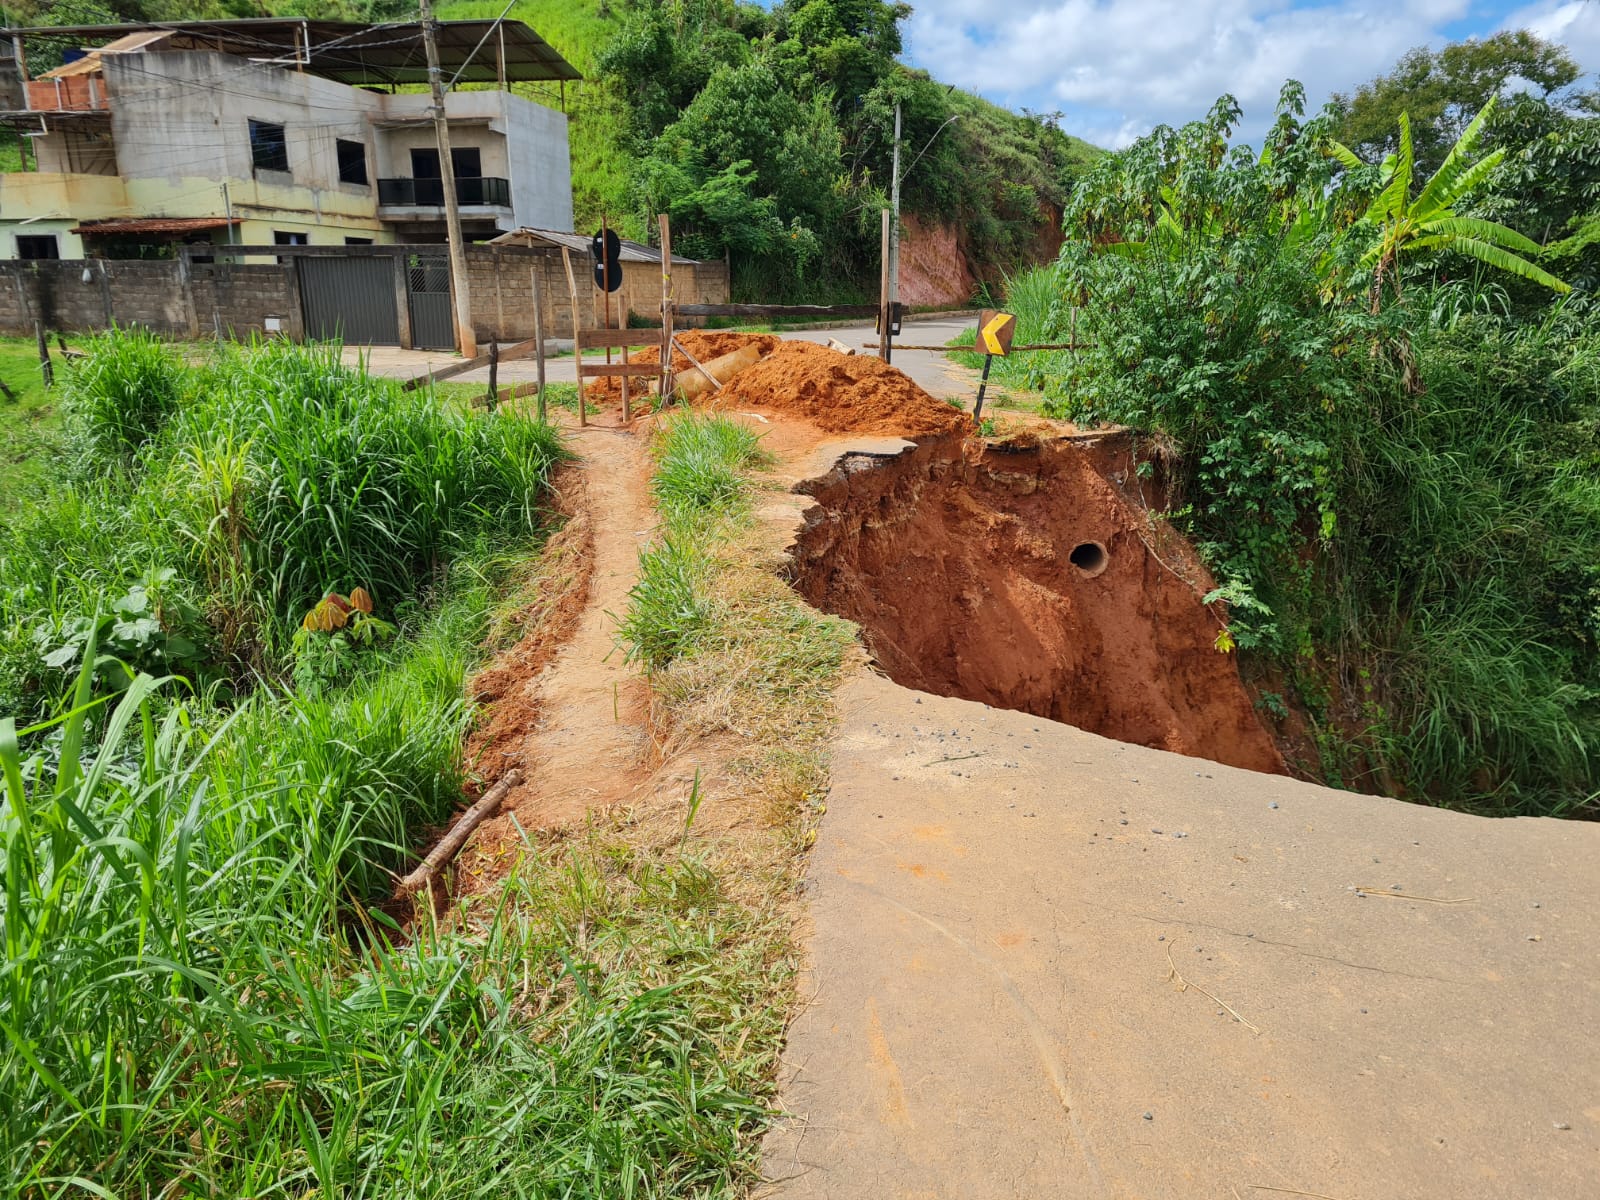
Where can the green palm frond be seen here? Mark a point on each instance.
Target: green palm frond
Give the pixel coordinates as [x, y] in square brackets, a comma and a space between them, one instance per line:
[1441, 190]
[1345, 155]
[1503, 260]
[1436, 199]
[1485, 231]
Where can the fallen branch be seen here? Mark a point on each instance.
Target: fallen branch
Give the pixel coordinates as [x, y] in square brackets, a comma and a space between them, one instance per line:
[1173, 974]
[450, 844]
[1391, 894]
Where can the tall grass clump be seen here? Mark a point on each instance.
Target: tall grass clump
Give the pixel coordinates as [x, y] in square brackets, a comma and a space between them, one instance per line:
[701, 466]
[119, 396]
[350, 480]
[281, 475]
[189, 1002]
[702, 478]
[1044, 314]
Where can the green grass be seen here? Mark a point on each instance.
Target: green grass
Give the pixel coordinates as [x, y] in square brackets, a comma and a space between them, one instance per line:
[10, 151]
[194, 896]
[30, 425]
[701, 483]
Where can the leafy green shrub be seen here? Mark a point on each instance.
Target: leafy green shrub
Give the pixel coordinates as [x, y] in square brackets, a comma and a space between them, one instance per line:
[120, 395]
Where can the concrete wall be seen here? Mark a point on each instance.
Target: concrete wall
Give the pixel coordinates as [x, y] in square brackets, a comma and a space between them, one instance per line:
[91, 294]
[183, 300]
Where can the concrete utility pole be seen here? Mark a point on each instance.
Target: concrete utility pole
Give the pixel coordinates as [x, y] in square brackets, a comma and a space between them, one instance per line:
[466, 340]
[894, 220]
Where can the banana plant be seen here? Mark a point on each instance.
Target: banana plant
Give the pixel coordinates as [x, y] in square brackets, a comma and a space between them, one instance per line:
[1404, 225]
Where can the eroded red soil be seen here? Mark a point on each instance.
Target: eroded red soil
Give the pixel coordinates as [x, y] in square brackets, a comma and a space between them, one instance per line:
[1023, 578]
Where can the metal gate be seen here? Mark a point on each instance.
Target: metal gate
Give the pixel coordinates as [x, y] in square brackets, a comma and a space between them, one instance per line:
[428, 292]
[351, 299]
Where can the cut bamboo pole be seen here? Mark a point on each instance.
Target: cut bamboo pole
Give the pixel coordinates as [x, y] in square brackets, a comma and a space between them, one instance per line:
[577, 349]
[666, 308]
[450, 844]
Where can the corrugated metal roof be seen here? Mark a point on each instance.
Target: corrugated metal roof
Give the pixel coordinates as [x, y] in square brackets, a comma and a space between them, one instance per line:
[631, 251]
[156, 225]
[350, 51]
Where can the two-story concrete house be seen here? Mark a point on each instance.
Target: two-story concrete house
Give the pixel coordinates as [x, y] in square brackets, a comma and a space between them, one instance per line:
[278, 131]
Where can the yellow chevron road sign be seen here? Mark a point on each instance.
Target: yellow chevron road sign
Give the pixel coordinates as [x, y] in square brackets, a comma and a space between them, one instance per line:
[995, 331]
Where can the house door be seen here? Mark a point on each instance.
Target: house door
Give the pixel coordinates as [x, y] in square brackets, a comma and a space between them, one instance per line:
[428, 292]
[349, 299]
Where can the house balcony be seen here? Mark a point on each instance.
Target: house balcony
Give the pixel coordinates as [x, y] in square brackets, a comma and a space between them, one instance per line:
[471, 192]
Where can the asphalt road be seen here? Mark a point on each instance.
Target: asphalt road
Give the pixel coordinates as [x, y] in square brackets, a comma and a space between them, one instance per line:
[1047, 964]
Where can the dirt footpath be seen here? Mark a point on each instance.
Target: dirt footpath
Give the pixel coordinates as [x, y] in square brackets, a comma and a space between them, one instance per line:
[1049, 964]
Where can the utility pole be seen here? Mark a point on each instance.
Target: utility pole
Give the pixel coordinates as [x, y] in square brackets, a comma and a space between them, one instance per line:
[894, 219]
[466, 340]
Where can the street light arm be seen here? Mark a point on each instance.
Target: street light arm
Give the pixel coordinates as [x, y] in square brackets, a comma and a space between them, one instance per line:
[936, 133]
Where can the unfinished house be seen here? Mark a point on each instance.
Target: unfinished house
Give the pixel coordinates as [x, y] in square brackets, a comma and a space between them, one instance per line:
[141, 138]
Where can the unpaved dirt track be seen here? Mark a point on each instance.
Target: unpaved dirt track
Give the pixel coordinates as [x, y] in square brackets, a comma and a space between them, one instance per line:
[588, 746]
[993, 900]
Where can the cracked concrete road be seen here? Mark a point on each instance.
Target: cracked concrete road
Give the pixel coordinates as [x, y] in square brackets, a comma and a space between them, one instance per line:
[1049, 964]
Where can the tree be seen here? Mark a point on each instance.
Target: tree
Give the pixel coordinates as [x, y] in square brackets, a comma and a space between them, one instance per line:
[1401, 225]
[1441, 91]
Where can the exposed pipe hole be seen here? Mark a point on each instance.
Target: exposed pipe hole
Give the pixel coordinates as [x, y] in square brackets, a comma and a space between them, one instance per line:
[967, 579]
[1090, 558]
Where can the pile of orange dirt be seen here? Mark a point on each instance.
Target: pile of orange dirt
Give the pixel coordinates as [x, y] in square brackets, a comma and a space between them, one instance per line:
[839, 393]
[703, 344]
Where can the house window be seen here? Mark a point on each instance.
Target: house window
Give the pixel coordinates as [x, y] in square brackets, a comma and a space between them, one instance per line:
[269, 148]
[38, 246]
[352, 161]
[283, 237]
[355, 241]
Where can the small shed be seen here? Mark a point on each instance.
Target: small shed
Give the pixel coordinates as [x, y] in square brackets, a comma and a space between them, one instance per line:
[693, 281]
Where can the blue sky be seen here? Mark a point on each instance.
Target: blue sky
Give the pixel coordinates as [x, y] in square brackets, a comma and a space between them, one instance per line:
[1117, 68]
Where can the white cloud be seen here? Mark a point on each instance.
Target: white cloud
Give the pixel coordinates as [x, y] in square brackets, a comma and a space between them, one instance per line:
[1118, 69]
[1575, 23]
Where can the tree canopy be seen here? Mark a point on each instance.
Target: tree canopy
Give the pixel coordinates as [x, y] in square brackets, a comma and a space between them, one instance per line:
[1440, 91]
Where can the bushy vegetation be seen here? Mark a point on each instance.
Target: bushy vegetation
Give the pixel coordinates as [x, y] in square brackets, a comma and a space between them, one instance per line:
[1387, 461]
[203, 987]
[235, 495]
[767, 135]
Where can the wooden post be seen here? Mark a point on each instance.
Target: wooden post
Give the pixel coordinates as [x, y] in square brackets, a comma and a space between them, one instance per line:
[45, 368]
[666, 309]
[577, 346]
[494, 374]
[627, 411]
[538, 337]
[883, 294]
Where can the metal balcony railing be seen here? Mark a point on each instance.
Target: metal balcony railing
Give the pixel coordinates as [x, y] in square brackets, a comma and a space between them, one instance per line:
[429, 193]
